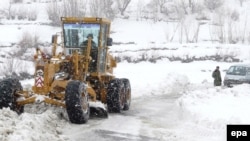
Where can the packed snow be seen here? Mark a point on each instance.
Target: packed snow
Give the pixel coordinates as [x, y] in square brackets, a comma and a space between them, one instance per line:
[171, 100]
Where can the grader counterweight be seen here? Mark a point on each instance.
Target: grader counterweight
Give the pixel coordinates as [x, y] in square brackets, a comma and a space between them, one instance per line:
[79, 77]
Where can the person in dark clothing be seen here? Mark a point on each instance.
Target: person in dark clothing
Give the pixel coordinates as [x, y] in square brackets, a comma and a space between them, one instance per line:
[93, 53]
[217, 77]
[93, 44]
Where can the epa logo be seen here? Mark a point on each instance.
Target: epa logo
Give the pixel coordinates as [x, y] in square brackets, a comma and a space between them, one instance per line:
[238, 132]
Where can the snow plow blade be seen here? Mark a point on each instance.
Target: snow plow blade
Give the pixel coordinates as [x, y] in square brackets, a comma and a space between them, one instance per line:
[98, 112]
[97, 109]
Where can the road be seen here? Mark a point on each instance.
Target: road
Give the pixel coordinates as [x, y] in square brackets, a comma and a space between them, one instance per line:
[151, 118]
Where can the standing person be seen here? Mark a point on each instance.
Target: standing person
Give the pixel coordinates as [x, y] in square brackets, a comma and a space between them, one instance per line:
[217, 77]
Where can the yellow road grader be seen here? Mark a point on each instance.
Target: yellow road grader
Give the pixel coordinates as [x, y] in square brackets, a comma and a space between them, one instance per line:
[77, 75]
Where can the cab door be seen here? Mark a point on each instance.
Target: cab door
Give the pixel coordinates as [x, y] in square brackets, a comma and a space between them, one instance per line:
[103, 48]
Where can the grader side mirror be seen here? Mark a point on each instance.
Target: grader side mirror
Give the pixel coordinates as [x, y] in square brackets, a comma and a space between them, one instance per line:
[109, 42]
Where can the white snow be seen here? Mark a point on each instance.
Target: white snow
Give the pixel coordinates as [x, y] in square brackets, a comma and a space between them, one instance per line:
[171, 100]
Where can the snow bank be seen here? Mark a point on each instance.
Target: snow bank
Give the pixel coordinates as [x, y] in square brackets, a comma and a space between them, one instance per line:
[153, 79]
[219, 52]
[215, 107]
[30, 127]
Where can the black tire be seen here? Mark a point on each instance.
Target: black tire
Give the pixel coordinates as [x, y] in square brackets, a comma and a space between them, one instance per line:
[127, 91]
[8, 88]
[76, 100]
[115, 96]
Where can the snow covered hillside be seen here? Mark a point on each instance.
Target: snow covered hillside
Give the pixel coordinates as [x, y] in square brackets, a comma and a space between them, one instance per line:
[173, 97]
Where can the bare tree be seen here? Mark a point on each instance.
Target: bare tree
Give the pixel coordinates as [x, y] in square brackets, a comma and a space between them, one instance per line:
[221, 32]
[191, 29]
[7, 9]
[241, 2]
[213, 4]
[236, 29]
[140, 8]
[195, 6]
[54, 10]
[174, 31]
[96, 8]
[181, 16]
[190, 3]
[156, 8]
[17, 1]
[182, 5]
[28, 40]
[32, 14]
[21, 14]
[161, 5]
[244, 30]
[154, 11]
[219, 27]
[122, 5]
[196, 33]
[11, 66]
[233, 29]
[108, 10]
[102, 9]
[75, 8]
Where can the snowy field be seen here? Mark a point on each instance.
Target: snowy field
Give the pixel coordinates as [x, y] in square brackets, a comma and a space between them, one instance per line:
[171, 100]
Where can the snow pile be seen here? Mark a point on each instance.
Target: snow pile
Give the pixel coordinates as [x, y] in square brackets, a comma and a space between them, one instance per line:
[172, 83]
[215, 107]
[153, 79]
[30, 127]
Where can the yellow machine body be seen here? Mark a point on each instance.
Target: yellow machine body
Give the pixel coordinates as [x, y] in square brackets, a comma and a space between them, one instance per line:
[53, 72]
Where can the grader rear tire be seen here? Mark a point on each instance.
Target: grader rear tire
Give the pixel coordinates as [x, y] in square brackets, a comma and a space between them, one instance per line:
[127, 88]
[8, 88]
[77, 105]
[115, 96]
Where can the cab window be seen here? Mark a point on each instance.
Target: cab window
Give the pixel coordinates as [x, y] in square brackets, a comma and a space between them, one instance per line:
[76, 34]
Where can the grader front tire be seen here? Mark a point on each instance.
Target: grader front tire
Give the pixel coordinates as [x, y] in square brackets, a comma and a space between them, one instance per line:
[8, 88]
[76, 100]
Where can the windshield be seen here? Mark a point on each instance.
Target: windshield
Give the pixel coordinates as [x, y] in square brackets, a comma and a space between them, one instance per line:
[237, 70]
[76, 34]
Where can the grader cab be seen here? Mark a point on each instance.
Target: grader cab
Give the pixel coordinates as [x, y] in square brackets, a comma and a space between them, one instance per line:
[78, 75]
